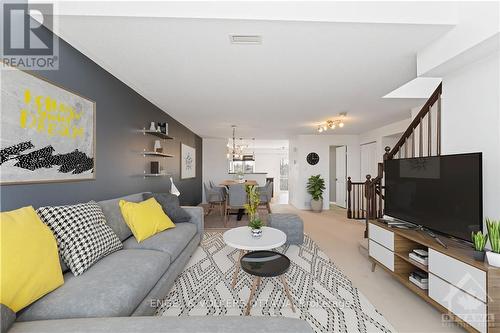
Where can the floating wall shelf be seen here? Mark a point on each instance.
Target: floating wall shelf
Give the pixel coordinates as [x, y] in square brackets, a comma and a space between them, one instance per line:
[153, 153]
[154, 156]
[161, 174]
[158, 134]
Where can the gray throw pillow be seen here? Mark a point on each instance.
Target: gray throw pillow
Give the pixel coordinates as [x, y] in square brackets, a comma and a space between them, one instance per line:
[170, 205]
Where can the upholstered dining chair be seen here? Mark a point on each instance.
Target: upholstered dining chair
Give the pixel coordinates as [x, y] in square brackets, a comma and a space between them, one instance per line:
[214, 198]
[236, 199]
[266, 195]
[221, 189]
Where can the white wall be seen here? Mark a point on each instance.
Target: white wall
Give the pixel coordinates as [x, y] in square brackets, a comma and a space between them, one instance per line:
[215, 166]
[380, 135]
[471, 121]
[476, 22]
[300, 170]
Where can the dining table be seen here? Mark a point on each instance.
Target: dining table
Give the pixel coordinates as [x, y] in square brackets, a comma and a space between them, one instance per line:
[228, 182]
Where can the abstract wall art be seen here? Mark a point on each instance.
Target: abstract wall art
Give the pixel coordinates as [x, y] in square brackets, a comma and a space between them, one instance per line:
[188, 162]
[47, 132]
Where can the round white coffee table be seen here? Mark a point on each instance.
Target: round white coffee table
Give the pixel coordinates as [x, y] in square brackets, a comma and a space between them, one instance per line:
[241, 239]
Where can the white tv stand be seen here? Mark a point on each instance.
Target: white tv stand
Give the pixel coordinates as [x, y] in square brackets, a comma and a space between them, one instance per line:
[466, 290]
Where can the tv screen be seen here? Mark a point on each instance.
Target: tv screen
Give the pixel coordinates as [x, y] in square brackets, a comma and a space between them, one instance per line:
[441, 193]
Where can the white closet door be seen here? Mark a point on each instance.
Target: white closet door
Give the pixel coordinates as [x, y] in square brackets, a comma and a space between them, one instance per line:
[368, 160]
[341, 171]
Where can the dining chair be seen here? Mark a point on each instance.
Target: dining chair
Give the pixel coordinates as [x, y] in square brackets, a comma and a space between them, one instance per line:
[221, 189]
[266, 195]
[236, 199]
[214, 197]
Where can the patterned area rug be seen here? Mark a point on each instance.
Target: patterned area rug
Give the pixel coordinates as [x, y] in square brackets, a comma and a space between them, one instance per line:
[323, 296]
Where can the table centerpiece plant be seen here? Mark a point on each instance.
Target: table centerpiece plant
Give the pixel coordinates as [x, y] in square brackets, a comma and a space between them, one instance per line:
[494, 236]
[251, 208]
[479, 242]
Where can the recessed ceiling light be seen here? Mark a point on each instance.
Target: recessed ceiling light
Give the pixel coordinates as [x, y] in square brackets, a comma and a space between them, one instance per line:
[245, 39]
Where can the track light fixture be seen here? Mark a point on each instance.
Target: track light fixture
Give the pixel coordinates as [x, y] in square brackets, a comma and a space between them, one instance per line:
[332, 123]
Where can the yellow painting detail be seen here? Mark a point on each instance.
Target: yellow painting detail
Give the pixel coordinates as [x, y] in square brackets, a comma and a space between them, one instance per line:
[47, 115]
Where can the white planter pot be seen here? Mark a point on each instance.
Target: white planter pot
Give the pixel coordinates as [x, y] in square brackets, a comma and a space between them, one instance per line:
[493, 258]
[256, 232]
[317, 205]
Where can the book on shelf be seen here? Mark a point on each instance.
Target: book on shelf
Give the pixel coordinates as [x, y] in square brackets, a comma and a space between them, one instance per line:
[420, 259]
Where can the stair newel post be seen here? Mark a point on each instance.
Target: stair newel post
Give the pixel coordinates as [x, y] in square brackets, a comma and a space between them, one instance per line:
[387, 150]
[368, 194]
[349, 190]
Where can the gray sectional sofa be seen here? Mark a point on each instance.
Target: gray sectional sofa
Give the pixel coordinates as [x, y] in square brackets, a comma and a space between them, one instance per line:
[117, 292]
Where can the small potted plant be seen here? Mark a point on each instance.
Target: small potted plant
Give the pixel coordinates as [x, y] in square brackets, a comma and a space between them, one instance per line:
[479, 240]
[494, 236]
[315, 187]
[251, 207]
[256, 227]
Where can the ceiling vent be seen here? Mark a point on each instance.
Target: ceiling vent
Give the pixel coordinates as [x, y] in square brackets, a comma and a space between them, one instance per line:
[245, 39]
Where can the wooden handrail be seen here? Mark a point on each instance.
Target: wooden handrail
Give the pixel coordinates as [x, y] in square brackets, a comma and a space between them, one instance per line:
[366, 199]
[415, 123]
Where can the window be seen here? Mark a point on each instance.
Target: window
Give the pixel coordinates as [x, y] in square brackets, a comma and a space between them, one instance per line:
[284, 174]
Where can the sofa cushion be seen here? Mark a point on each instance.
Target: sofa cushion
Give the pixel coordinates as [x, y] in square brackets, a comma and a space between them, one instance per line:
[145, 218]
[171, 241]
[29, 264]
[82, 235]
[114, 286]
[114, 217]
[170, 205]
[7, 318]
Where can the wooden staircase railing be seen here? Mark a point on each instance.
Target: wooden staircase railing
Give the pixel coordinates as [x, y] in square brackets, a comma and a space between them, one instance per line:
[421, 138]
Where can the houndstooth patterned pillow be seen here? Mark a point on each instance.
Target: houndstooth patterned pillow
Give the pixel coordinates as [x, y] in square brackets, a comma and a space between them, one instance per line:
[82, 235]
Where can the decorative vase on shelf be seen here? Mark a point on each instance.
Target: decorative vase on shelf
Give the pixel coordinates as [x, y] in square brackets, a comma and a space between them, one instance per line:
[152, 127]
[157, 147]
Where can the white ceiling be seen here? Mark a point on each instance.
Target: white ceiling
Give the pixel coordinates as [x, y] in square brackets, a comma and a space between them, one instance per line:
[302, 74]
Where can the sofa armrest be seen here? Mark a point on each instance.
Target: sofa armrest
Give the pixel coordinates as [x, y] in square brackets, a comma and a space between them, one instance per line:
[197, 216]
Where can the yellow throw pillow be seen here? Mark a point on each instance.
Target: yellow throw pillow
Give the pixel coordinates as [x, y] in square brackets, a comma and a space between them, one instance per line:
[29, 260]
[145, 219]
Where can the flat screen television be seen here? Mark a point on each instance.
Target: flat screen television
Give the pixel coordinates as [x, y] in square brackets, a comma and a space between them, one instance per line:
[441, 193]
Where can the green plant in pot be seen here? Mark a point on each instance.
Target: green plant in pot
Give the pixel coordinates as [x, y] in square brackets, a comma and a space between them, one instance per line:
[255, 223]
[316, 187]
[494, 236]
[479, 241]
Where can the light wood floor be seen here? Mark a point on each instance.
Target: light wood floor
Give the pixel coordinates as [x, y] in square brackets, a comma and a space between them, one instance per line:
[339, 239]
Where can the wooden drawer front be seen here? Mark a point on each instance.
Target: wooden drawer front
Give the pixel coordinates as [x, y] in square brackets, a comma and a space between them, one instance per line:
[381, 254]
[381, 236]
[464, 306]
[459, 274]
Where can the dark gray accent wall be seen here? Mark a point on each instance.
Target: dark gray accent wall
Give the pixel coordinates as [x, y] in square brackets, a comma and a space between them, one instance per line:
[121, 113]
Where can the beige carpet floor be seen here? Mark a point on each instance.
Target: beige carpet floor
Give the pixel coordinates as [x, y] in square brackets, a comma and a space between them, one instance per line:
[339, 238]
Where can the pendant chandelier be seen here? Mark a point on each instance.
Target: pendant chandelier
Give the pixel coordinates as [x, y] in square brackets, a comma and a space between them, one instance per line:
[235, 151]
